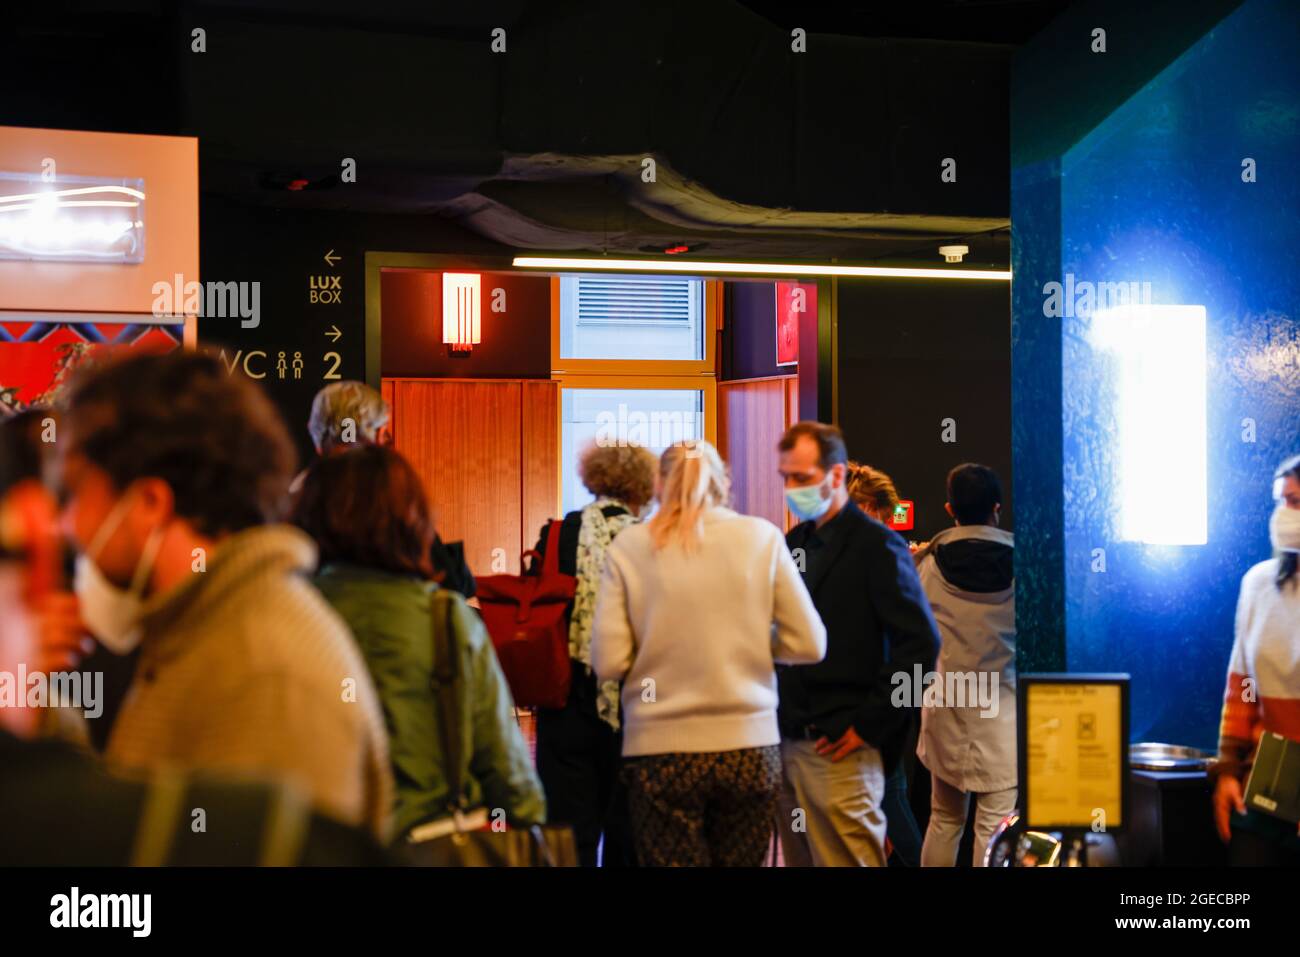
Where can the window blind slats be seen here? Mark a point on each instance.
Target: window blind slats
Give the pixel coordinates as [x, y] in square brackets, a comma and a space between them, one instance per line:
[634, 299]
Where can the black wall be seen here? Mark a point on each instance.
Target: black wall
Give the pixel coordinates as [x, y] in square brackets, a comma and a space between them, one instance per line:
[749, 342]
[749, 334]
[911, 354]
[284, 249]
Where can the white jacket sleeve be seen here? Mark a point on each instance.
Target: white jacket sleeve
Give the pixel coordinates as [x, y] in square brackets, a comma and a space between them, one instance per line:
[798, 635]
[612, 644]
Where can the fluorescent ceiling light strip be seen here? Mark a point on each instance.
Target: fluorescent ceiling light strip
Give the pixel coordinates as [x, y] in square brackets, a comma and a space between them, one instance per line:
[697, 267]
[125, 190]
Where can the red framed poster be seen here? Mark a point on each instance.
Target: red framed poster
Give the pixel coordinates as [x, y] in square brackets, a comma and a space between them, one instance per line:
[794, 300]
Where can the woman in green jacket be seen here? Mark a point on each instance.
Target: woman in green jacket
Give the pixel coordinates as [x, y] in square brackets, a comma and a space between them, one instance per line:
[368, 514]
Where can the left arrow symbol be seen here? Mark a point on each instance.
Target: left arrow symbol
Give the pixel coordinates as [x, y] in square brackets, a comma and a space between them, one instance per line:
[334, 333]
[331, 257]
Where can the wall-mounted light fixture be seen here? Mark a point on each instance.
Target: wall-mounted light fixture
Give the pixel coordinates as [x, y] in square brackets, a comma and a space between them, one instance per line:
[72, 219]
[682, 267]
[460, 310]
[1160, 419]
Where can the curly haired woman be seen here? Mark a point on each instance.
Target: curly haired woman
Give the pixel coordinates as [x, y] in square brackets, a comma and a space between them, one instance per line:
[578, 745]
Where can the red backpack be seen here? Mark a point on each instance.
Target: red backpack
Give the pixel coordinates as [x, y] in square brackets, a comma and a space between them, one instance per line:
[527, 618]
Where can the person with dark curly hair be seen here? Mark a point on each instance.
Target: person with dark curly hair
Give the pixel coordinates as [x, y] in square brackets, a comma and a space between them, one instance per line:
[175, 474]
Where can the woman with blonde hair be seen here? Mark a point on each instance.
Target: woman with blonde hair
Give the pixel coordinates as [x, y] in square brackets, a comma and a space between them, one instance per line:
[695, 609]
[872, 491]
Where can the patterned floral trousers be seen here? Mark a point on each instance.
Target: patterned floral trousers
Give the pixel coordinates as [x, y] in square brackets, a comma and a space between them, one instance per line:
[700, 810]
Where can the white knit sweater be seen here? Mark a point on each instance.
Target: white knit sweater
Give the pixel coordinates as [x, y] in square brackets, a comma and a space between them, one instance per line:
[695, 636]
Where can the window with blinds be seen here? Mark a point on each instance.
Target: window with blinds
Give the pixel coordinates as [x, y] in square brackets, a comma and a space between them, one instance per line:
[636, 299]
[633, 317]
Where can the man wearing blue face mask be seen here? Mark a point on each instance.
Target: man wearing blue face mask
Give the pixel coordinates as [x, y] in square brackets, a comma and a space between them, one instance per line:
[840, 733]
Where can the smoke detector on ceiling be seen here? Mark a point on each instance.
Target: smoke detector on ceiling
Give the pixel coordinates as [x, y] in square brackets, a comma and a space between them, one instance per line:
[953, 254]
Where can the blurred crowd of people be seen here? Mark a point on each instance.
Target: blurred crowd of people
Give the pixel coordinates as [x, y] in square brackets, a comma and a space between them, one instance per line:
[262, 646]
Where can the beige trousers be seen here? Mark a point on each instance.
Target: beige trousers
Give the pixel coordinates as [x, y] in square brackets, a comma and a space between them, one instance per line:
[831, 812]
[948, 810]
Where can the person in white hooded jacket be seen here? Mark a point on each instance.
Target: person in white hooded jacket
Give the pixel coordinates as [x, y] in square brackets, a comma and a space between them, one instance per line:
[968, 724]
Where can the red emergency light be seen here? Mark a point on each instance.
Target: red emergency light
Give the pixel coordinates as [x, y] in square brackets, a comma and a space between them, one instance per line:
[904, 517]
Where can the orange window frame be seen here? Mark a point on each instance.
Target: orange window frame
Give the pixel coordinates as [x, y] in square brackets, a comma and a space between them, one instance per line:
[642, 367]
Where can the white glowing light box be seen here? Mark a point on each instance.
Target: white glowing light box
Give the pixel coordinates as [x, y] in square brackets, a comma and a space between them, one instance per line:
[1161, 420]
[71, 218]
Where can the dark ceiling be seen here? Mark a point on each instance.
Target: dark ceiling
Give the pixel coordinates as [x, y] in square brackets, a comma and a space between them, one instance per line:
[758, 151]
[1011, 22]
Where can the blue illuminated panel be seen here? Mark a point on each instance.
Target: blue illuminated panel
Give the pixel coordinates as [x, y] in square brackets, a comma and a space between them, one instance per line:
[1188, 190]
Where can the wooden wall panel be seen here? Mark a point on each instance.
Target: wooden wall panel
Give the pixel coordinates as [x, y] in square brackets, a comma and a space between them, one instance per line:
[387, 390]
[464, 439]
[752, 415]
[541, 451]
[487, 450]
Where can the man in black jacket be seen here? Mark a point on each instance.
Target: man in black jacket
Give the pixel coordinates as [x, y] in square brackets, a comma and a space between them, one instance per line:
[840, 733]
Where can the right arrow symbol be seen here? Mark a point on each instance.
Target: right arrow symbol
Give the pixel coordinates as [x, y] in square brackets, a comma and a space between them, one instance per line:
[333, 333]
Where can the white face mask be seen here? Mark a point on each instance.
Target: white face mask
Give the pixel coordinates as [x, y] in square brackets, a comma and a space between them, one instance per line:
[110, 613]
[1284, 529]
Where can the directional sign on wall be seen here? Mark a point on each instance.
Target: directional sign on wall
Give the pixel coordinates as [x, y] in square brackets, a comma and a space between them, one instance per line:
[309, 326]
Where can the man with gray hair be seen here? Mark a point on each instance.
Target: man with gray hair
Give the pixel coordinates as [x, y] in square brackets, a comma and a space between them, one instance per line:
[344, 415]
[348, 413]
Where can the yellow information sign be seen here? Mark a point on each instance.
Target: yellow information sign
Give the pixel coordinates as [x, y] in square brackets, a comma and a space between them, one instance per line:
[1074, 754]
